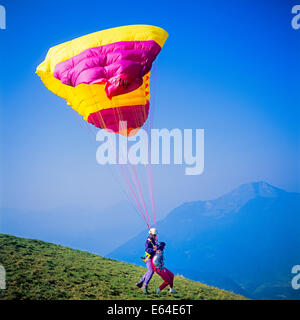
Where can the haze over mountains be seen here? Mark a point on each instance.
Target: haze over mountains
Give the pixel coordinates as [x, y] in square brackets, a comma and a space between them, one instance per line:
[246, 241]
[99, 231]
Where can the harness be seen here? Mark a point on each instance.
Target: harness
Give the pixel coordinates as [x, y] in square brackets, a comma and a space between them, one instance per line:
[148, 255]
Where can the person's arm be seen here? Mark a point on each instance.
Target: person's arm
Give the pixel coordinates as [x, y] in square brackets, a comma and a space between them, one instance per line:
[148, 247]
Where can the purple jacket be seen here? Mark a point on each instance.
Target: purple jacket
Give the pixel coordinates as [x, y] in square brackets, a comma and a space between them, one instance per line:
[149, 244]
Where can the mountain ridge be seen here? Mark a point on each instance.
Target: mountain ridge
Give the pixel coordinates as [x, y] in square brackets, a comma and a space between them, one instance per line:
[251, 230]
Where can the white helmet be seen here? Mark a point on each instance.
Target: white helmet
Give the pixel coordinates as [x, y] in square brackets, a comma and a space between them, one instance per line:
[153, 231]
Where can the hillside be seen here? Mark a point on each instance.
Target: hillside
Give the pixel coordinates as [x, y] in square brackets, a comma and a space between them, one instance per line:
[41, 270]
[245, 241]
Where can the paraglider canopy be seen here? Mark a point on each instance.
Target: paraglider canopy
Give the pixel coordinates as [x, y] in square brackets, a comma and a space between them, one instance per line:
[105, 75]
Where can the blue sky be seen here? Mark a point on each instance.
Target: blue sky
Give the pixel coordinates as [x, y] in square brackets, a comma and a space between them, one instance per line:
[229, 67]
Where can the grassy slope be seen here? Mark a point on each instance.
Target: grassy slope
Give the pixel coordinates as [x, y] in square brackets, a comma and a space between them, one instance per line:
[41, 270]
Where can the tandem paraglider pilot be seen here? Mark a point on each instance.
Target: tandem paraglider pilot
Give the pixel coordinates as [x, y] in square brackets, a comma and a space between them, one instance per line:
[150, 249]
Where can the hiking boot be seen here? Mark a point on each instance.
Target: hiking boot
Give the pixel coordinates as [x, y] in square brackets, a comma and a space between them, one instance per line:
[172, 290]
[157, 291]
[139, 284]
[145, 290]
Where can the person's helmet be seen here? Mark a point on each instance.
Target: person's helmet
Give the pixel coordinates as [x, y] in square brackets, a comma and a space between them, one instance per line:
[161, 245]
[153, 231]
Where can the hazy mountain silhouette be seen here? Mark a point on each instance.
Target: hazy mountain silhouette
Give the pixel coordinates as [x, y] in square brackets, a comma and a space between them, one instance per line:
[78, 227]
[246, 241]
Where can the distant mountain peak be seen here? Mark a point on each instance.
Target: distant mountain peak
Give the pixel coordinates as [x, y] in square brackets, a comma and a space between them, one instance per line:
[259, 189]
[232, 201]
[239, 196]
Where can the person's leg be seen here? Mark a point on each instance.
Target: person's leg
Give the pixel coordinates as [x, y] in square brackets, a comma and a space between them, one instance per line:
[169, 277]
[163, 285]
[164, 275]
[145, 275]
[148, 275]
[172, 282]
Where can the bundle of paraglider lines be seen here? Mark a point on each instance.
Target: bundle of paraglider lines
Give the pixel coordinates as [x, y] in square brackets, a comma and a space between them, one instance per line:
[104, 77]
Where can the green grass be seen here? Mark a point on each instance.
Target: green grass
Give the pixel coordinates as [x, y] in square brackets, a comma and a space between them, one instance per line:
[40, 270]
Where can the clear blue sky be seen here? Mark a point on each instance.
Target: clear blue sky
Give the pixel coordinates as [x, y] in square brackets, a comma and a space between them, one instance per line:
[229, 67]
